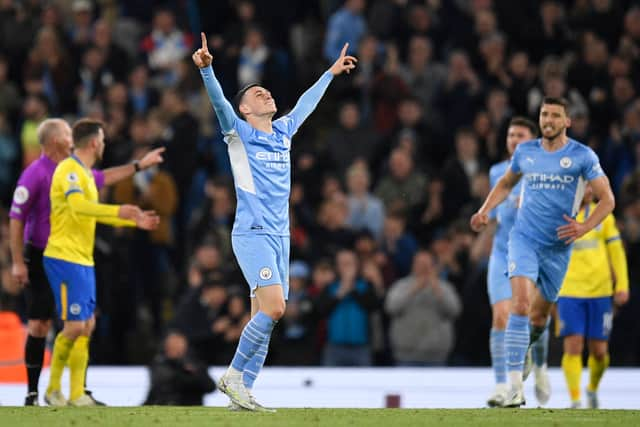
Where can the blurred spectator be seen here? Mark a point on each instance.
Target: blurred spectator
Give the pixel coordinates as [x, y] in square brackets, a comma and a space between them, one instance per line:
[9, 160]
[116, 58]
[165, 45]
[425, 303]
[177, 378]
[346, 303]
[423, 76]
[366, 211]
[230, 326]
[398, 244]
[95, 78]
[151, 189]
[521, 78]
[201, 317]
[347, 25]
[458, 98]
[206, 265]
[387, 91]
[142, 96]
[49, 64]
[253, 56]
[213, 221]
[35, 110]
[403, 186]
[331, 232]
[296, 332]
[459, 171]
[429, 150]
[9, 94]
[351, 140]
[80, 31]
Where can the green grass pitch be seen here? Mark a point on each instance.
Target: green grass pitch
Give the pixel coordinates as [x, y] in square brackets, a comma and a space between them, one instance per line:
[199, 416]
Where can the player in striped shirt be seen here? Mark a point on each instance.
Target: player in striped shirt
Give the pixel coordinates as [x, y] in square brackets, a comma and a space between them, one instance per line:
[260, 152]
[597, 272]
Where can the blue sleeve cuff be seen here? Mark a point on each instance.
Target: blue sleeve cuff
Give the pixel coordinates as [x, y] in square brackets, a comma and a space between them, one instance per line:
[73, 190]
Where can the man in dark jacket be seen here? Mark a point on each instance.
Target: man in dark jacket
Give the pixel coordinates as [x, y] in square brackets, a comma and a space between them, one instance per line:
[176, 377]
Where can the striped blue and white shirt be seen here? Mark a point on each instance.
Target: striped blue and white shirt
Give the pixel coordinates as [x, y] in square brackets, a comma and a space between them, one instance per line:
[505, 213]
[553, 185]
[261, 162]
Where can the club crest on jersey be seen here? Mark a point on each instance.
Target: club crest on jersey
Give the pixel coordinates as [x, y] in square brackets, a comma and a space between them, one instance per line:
[566, 162]
[72, 177]
[75, 309]
[286, 141]
[266, 273]
[21, 195]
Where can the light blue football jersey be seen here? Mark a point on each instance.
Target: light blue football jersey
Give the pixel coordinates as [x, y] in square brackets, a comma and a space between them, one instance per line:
[505, 212]
[261, 162]
[553, 185]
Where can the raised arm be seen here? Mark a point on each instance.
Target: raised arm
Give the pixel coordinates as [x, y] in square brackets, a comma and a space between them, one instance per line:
[118, 173]
[497, 195]
[309, 100]
[224, 111]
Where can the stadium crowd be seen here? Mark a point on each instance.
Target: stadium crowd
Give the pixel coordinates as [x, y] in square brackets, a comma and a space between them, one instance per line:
[386, 173]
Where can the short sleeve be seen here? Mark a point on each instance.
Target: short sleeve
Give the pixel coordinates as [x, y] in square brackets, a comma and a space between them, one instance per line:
[514, 165]
[98, 176]
[24, 195]
[591, 168]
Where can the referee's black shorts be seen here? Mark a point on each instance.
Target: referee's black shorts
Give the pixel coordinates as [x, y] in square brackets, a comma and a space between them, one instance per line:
[40, 302]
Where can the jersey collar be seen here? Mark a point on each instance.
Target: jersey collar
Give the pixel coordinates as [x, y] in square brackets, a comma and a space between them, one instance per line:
[74, 157]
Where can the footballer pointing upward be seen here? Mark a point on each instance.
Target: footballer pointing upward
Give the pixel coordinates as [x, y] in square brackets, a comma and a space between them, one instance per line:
[259, 149]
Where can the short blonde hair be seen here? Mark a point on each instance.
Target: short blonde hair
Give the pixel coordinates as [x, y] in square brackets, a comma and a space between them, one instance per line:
[49, 129]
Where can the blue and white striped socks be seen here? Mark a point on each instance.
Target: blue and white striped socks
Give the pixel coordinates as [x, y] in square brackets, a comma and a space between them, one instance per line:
[540, 349]
[254, 335]
[252, 369]
[516, 343]
[498, 360]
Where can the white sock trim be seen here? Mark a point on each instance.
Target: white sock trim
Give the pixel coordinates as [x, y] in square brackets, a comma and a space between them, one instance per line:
[515, 377]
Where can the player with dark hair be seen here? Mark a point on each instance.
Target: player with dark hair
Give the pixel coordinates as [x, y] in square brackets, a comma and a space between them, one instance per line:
[259, 149]
[68, 256]
[520, 130]
[555, 169]
[29, 230]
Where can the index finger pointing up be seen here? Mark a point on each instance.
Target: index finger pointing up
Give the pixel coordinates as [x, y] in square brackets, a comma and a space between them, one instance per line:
[204, 41]
[344, 49]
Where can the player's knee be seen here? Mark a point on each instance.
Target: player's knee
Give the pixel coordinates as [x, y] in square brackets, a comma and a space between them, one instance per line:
[73, 330]
[573, 344]
[38, 328]
[89, 327]
[276, 311]
[520, 306]
[599, 352]
[538, 318]
[500, 319]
